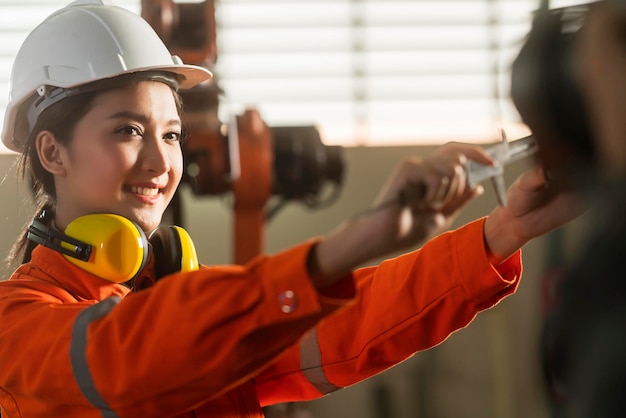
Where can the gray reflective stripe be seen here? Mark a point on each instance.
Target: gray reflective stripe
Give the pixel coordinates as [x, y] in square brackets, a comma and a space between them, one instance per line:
[311, 364]
[78, 353]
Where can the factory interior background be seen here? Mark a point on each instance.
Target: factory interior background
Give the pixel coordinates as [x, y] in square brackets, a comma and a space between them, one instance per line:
[379, 80]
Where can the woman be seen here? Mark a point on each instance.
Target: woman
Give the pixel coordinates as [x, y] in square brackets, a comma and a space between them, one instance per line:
[97, 120]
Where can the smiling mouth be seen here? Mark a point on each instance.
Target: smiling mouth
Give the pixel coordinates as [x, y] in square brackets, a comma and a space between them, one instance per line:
[144, 191]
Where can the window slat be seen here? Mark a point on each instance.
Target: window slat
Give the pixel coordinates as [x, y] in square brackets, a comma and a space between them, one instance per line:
[363, 71]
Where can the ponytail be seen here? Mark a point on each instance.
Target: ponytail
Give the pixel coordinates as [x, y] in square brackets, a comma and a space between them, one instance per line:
[23, 247]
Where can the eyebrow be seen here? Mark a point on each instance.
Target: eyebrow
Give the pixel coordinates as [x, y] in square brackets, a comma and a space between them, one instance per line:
[140, 117]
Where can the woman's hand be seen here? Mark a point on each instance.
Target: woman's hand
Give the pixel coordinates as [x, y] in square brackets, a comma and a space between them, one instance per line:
[535, 207]
[441, 182]
[441, 179]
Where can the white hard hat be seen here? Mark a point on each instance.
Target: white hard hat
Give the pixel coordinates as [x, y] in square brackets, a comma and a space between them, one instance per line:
[88, 40]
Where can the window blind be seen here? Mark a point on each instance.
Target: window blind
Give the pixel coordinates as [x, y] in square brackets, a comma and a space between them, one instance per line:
[365, 72]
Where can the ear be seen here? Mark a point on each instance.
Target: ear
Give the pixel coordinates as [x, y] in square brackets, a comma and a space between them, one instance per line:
[51, 153]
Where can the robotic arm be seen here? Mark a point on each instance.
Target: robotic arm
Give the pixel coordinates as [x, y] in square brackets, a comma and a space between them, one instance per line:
[243, 155]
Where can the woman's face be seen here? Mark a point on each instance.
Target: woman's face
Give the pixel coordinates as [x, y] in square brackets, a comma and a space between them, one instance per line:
[124, 157]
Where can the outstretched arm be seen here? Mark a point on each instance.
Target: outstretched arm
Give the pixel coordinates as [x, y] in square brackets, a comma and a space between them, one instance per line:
[534, 208]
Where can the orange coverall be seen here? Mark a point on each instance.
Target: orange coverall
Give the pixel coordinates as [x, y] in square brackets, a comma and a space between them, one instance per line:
[225, 341]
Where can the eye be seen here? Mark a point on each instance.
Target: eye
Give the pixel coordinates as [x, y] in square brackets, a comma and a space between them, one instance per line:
[173, 136]
[129, 130]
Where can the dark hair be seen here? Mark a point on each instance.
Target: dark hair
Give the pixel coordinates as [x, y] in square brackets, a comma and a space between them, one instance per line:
[60, 119]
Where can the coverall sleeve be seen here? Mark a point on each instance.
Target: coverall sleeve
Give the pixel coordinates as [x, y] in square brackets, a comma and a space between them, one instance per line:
[160, 351]
[406, 304]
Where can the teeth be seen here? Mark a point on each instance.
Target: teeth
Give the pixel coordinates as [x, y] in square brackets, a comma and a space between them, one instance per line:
[144, 191]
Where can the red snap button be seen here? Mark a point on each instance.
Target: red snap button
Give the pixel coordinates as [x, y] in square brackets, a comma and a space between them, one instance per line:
[288, 301]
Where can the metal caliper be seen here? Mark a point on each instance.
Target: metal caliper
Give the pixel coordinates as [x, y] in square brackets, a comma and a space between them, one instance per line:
[504, 153]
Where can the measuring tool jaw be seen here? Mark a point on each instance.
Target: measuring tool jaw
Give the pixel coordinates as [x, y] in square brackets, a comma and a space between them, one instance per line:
[503, 153]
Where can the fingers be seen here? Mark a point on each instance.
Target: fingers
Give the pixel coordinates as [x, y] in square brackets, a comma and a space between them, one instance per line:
[448, 179]
[466, 152]
[449, 187]
[442, 192]
[444, 178]
[441, 179]
[532, 180]
[450, 161]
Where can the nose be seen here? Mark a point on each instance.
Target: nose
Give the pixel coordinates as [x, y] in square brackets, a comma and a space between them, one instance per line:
[156, 155]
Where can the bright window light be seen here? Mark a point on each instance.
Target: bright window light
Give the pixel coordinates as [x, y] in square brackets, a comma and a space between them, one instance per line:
[365, 72]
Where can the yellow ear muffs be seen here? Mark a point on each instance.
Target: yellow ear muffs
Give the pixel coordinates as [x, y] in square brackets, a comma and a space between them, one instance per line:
[119, 248]
[173, 251]
[115, 248]
[106, 245]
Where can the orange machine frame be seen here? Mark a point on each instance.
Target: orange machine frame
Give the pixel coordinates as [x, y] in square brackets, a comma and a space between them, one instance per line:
[252, 187]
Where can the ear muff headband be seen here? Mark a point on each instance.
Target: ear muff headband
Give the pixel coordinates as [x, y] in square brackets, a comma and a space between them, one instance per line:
[173, 250]
[42, 234]
[108, 246]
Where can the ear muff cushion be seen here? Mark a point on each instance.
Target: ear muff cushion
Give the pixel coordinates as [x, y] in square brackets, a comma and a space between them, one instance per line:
[173, 250]
[189, 256]
[119, 246]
